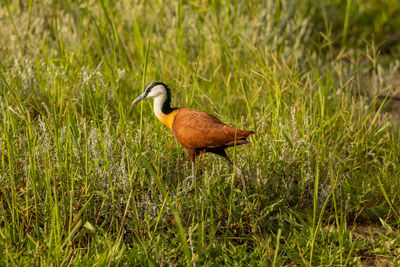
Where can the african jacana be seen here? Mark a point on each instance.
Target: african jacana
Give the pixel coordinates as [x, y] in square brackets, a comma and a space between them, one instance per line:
[197, 131]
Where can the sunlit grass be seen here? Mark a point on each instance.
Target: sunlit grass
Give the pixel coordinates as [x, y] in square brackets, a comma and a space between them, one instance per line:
[86, 178]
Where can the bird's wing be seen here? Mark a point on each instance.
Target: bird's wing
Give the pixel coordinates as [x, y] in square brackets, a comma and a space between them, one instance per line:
[197, 129]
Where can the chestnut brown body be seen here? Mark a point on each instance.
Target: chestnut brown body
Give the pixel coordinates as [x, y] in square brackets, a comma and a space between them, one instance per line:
[199, 132]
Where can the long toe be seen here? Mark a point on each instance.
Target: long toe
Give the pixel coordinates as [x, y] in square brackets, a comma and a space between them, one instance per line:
[188, 180]
[187, 186]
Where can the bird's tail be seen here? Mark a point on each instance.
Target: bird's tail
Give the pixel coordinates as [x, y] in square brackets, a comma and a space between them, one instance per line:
[243, 134]
[241, 138]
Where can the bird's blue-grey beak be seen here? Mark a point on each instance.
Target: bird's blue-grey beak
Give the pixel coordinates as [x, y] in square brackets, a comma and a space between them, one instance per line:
[139, 98]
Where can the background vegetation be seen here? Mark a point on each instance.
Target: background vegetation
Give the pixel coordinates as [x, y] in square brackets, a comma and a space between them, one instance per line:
[86, 178]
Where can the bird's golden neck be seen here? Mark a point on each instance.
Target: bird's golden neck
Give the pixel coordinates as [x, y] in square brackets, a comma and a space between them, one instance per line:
[163, 111]
[167, 119]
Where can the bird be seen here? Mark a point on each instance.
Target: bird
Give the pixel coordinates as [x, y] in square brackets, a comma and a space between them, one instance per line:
[197, 131]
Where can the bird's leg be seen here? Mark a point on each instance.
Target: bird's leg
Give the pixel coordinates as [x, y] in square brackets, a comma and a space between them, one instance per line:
[241, 176]
[192, 154]
[189, 188]
[192, 176]
[193, 173]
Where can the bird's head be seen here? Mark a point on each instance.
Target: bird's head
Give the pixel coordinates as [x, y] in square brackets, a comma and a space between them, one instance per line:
[154, 90]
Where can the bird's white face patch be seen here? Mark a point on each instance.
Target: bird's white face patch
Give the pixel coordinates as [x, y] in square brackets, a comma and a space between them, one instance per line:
[159, 94]
[156, 91]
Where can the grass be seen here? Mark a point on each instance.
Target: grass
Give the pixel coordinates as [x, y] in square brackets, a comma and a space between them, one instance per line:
[86, 178]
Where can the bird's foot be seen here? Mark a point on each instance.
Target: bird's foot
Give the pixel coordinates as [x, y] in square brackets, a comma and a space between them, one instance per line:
[184, 190]
[188, 186]
[186, 181]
